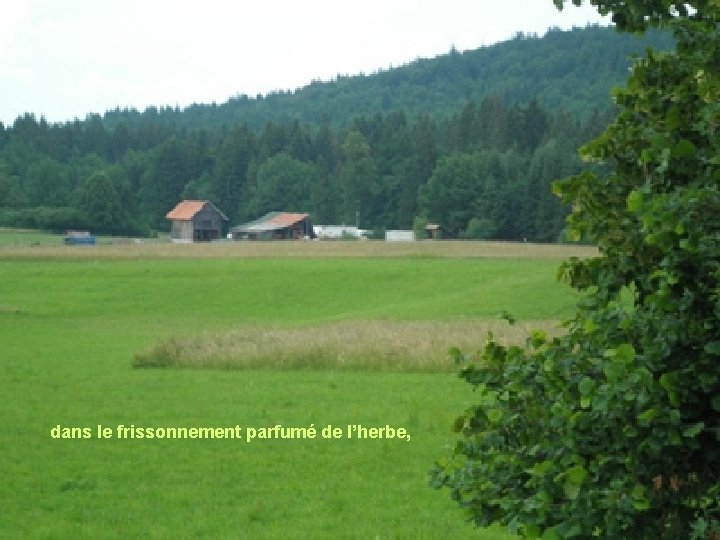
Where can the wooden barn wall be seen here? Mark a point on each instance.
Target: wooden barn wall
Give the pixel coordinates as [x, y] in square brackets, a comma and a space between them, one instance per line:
[207, 218]
[181, 230]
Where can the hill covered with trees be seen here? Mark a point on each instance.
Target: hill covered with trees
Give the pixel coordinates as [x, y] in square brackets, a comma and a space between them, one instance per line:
[471, 140]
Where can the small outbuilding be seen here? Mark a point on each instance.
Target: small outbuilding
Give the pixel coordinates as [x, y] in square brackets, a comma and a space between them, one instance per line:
[437, 232]
[195, 221]
[79, 238]
[275, 226]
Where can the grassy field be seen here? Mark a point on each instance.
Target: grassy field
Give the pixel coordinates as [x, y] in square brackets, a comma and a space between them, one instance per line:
[29, 238]
[23, 238]
[71, 324]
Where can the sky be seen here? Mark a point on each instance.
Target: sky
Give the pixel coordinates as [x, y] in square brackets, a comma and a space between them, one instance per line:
[63, 59]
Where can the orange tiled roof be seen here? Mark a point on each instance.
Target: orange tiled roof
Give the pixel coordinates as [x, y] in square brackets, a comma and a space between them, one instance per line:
[186, 210]
[286, 219]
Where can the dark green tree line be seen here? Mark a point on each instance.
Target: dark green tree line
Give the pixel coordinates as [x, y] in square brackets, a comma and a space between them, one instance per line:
[383, 171]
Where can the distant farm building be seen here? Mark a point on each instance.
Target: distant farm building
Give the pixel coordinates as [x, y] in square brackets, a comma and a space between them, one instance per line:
[338, 232]
[275, 226]
[399, 236]
[437, 232]
[79, 238]
[195, 221]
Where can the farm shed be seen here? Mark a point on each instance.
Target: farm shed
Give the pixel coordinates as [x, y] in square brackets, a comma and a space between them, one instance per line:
[195, 221]
[275, 226]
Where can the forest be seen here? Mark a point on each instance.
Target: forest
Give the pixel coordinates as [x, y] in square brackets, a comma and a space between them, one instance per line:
[469, 140]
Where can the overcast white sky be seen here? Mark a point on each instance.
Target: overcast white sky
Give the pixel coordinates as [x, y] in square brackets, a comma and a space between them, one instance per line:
[62, 59]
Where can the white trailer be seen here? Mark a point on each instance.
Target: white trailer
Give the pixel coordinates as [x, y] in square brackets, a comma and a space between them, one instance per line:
[399, 236]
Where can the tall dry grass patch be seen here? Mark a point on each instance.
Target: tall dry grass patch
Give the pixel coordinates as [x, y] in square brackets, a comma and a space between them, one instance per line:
[347, 346]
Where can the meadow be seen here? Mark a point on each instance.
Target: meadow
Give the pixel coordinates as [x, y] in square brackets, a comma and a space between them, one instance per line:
[73, 320]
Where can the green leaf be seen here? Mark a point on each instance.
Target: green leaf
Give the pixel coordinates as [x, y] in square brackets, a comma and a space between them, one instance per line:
[586, 386]
[576, 474]
[634, 201]
[646, 417]
[713, 348]
[571, 490]
[640, 501]
[693, 430]
[684, 149]
[538, 338]
[672, 118]
[550, 534]
[613, 371]
[589, 326]
[539, 469]
[624, 354]
[574, 234]
[716, 403]
[494, 415]
[667, 381]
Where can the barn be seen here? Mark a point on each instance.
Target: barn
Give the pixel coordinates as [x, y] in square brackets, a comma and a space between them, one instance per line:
[195, 221]
[275, 226]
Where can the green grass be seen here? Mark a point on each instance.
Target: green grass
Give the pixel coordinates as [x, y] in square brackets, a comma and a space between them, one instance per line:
[69, 328]
[31, 238]
[10, 238]
[287, 291]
